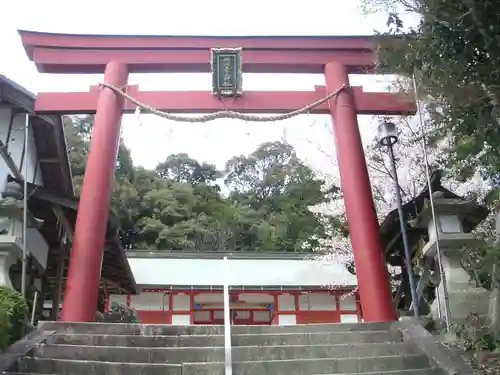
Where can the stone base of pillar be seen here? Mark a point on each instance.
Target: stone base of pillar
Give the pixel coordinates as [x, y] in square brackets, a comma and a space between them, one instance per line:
[463, 302]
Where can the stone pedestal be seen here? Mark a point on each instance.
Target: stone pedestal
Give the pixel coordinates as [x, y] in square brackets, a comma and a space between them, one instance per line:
[10, 249]
[463, 295]
[11, 239]
[7, 259]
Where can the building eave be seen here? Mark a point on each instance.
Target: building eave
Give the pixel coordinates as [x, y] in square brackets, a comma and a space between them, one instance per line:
[190, 254]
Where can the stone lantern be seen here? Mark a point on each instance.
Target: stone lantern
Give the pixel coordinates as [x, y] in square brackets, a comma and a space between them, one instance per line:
[11, 234]
[464, 296]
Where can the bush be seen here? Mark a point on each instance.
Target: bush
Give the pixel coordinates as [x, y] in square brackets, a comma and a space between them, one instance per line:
[5, 326]
[476, 334]
[120, 314]
[13, 313]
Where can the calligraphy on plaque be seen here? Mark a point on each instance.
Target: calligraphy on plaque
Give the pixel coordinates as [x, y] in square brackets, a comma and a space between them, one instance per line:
[227, 72]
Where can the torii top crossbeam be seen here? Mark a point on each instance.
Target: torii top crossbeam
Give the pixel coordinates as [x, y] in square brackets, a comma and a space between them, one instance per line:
[74, 54]
[117, 56]
[70, 53]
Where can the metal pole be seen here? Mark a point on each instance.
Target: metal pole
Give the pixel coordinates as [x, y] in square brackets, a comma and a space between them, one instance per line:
[227, 322]
[404, 233]
[33, 310]
[439, 255]
[25, 206]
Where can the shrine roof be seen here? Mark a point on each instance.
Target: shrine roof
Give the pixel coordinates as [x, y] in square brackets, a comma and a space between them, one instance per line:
[197, 270]
[48, 133]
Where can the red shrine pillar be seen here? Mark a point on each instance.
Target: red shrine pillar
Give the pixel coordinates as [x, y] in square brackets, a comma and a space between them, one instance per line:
[82, 285]
[371, 271]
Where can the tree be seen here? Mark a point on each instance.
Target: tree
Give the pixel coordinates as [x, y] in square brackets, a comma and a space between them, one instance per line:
[179, 205]
[281, 189]
[455, 56]
[181, 168]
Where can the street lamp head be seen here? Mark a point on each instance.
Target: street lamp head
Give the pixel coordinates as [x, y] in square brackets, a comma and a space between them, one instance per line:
[387, 134]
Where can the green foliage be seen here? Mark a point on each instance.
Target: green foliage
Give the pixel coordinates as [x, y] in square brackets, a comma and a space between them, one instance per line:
[455, 55]
[121, 314]
[476, 334]
[179, 205]
[13, 313]
[5, 325]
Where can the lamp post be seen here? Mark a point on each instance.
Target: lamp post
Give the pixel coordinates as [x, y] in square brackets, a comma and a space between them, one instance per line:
[387, 136]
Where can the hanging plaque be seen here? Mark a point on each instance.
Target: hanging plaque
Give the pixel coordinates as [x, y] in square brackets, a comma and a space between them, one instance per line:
[227, 72]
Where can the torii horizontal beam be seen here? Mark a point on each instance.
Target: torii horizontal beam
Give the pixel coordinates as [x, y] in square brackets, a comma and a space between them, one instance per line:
[67, 53]
[367, 103]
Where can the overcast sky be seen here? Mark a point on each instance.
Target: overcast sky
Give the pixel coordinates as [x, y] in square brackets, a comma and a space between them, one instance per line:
[216, 141]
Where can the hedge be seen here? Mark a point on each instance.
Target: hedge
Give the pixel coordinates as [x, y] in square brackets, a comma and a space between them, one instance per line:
[13, 315]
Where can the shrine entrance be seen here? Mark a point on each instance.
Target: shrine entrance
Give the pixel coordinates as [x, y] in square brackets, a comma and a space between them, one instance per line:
[228, 58]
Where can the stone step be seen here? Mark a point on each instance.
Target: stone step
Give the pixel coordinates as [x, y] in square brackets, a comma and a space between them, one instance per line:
[74, 367]
[424, 371]
[318, 338]
[152, 329]
[316, 366]
[216, 354]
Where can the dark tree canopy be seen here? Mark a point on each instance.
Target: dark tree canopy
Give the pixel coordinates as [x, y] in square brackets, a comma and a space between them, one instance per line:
[454, 53]
[179, 205]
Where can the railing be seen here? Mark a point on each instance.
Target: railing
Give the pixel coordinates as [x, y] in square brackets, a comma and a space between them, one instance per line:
[227, 322]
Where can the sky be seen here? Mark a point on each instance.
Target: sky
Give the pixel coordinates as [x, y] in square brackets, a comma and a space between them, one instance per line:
[152, 139]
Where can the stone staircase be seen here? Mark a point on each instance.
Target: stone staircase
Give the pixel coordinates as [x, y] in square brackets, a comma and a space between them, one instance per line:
[131, 349]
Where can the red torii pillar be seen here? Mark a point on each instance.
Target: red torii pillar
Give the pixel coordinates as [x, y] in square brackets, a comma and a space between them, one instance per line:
[84, 272]
[371, 271]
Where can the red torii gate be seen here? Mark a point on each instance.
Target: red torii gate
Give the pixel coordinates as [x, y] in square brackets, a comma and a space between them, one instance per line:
[117, 56]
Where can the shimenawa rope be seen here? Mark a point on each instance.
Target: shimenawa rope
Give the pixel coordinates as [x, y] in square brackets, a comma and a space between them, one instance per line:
[222, 114]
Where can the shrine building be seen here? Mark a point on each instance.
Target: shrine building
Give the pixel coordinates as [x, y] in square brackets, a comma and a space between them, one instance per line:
[186, 288]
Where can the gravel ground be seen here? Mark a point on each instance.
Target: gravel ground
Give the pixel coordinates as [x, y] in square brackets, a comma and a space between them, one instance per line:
[487, 362]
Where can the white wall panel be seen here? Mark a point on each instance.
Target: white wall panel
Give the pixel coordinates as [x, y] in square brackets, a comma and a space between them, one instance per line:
[261, 316]
[348, 302]
[181, 302]
[348, 318]
[287, 320]
[317, 301]
[286, 302]
[202, 316]
[149, 301]
[242, 314]
[181, 320]
[209, 298]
